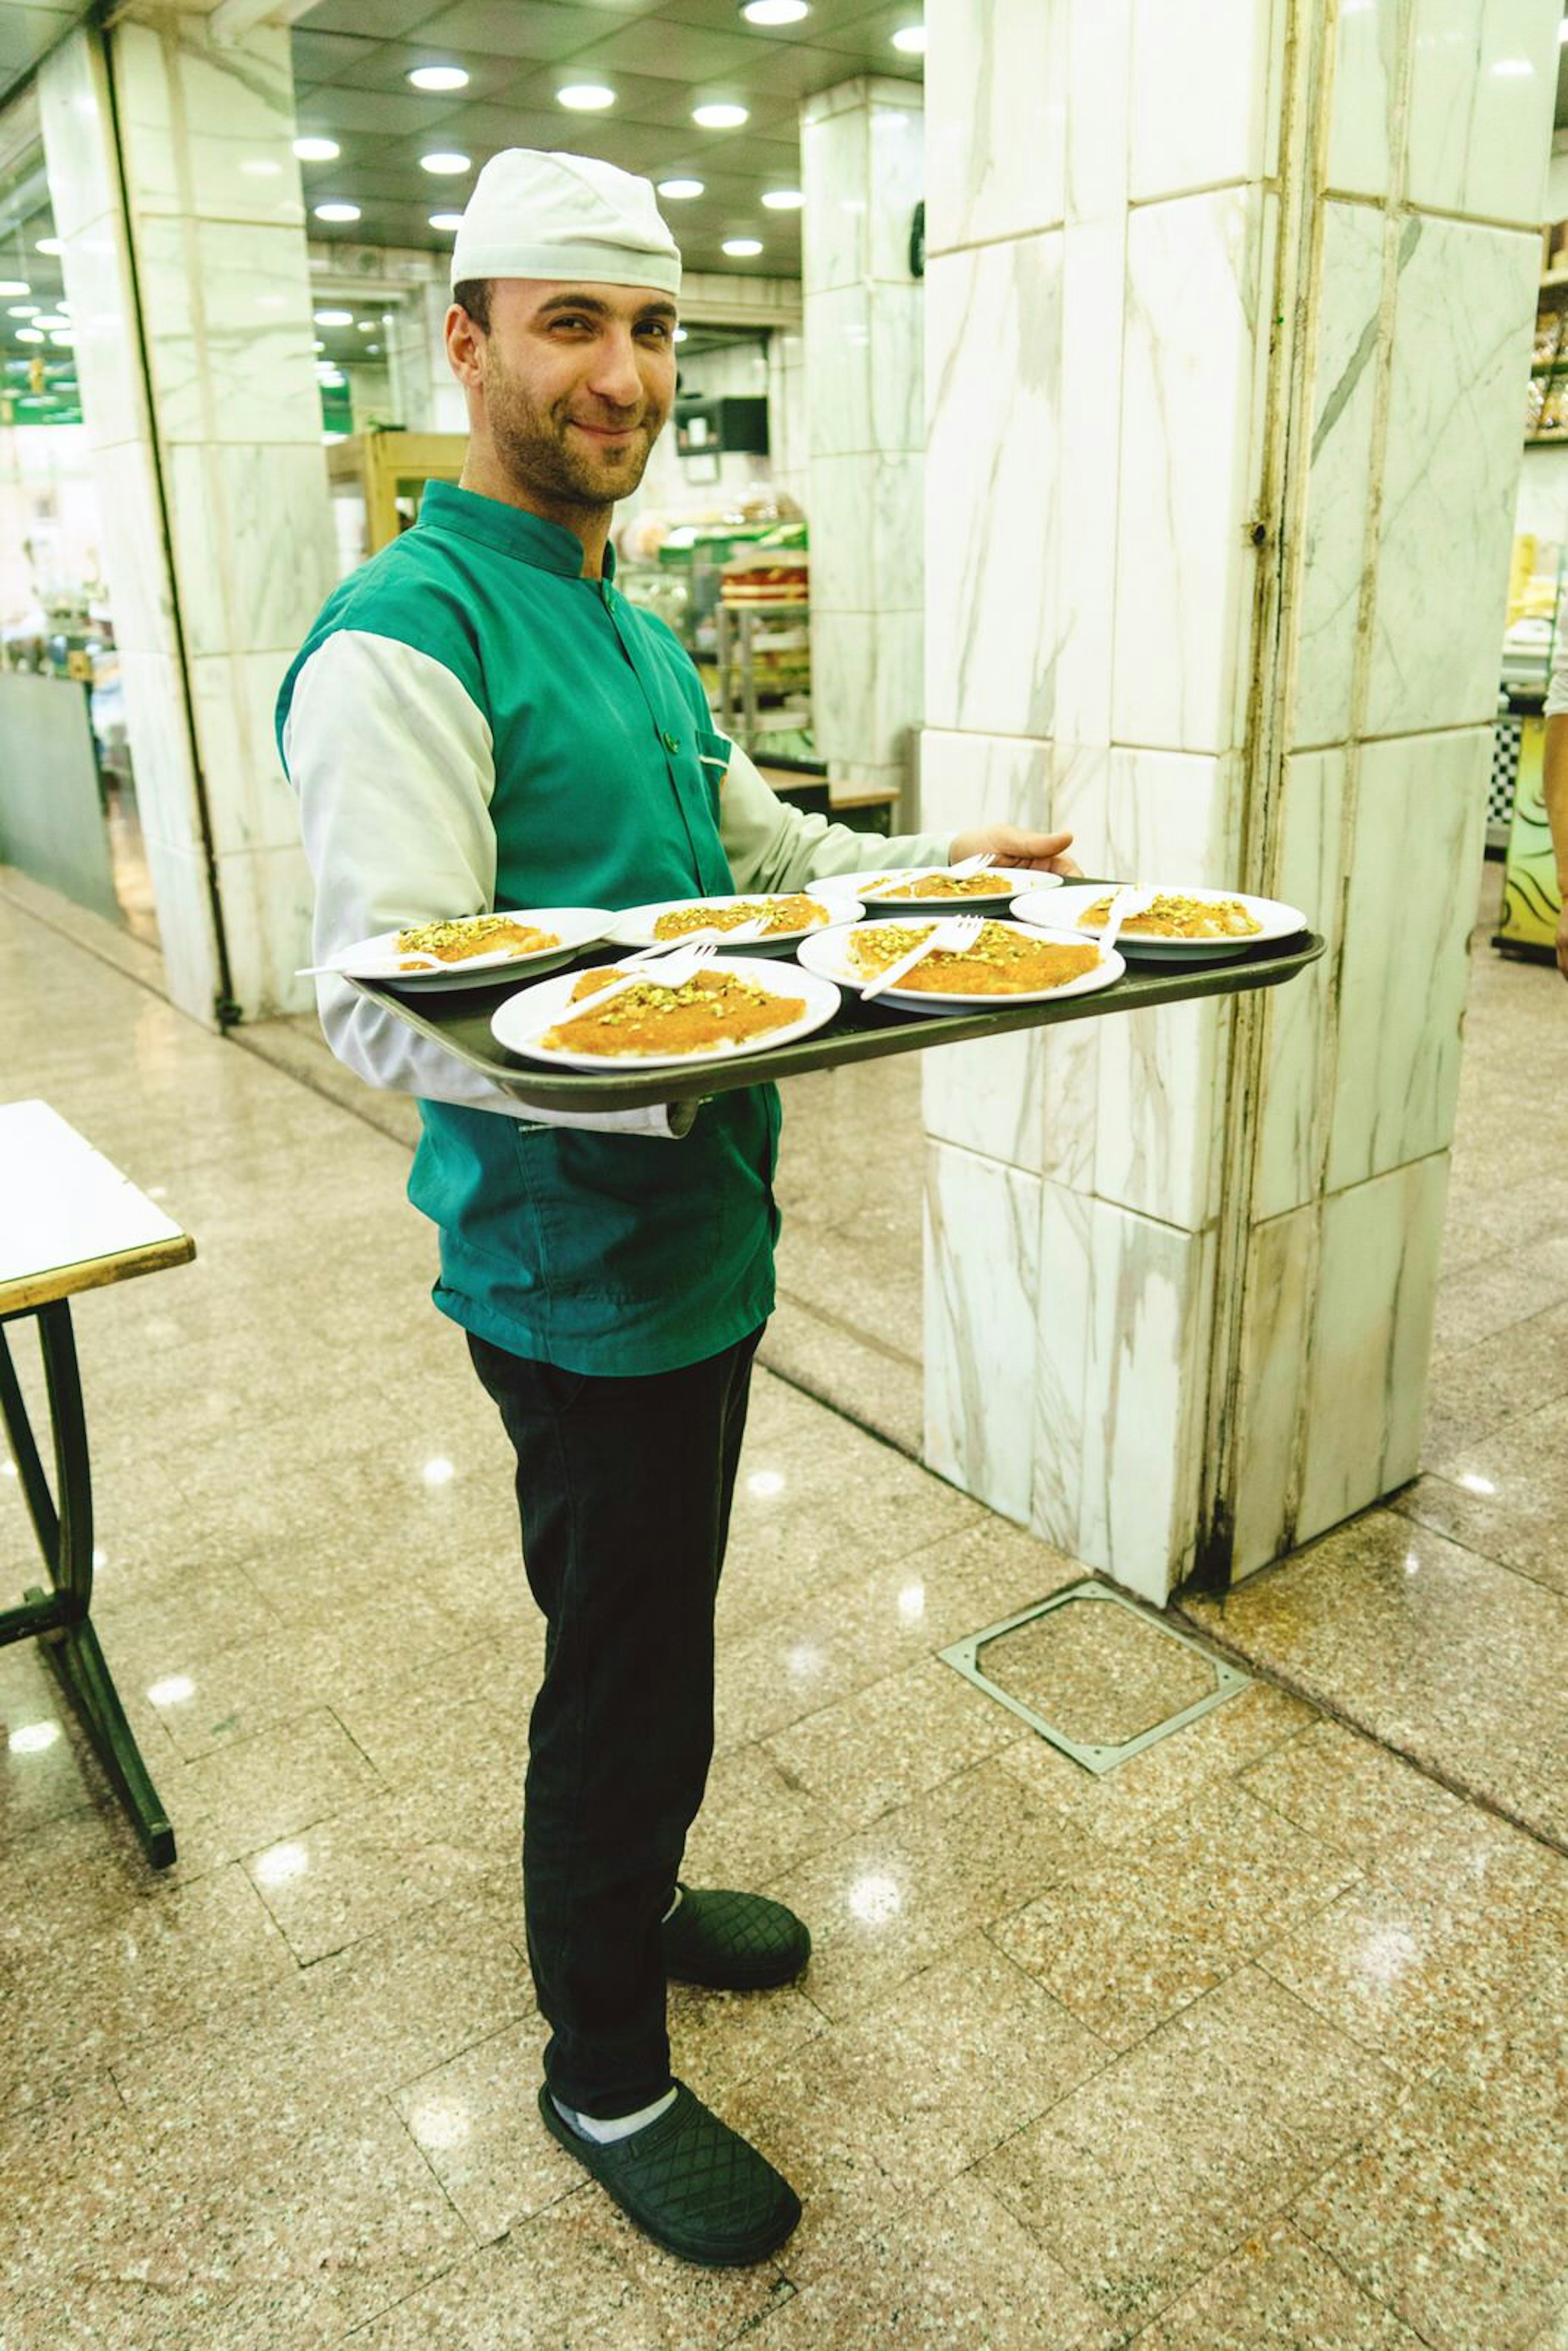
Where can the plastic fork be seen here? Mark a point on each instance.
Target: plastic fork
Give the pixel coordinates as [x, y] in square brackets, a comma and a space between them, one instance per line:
[952, 936]
[1124, 902]
[680, 967]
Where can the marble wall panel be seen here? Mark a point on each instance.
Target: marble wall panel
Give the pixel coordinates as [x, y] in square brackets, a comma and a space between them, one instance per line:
[1170, 817]
[96, 270]
[233, 696]
[1339, 488]
[253, 540]
[975, 779]
[1098, 73]
[1370, 1338]
[1205, 103]
[838, 373]
[158, 728]
[207, 129]
[1062, 1355]
[844, 698]
[131, 535]
[1093, 277]
[1414, 851]
[897, 165]
[835, 227]
[1159, 1107]
[1277, 1290]
[982, 1242]
[186, 939]
[1483, 84]
[1298, 1043]
[997, 168]
[896, 318]
[268, 896]
[73, 113]
[1462, 332]
[1368, 41]
[994, 352]
[228, 330]
[1199, 275]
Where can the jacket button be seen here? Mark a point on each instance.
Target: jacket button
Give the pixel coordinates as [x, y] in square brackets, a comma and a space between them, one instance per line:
[671, 742]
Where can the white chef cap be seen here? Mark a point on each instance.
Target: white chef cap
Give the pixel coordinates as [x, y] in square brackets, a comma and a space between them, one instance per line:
[533, 214]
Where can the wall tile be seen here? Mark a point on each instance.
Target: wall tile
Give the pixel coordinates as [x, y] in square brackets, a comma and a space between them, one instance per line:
[987, 1098]
[868, 549]
[1062, 1355]
[982, 1244]
[1171, 819]
[1198, 269]
[897, 161]
[1365, 79]
[1160, 1105]
[267, 897]
[1482, 89]
[72, 108]
[1371, 1337]
[1339, 487]
[997, 167]
[1461, 352]
[1098, 73]
[158, 728]
[193, 116]
[896, 316]
[1293, 1113]
[182, 894]
[252, 541]
[837, 372]
[994, 630]
[130, 530]
[97, 276]
[975, 779]
[1092, 278]
[229, 334]
[835, 240]
[252, 803]
[1414, 854]
[1204, 93]
[865, 688]
[1277, 1290]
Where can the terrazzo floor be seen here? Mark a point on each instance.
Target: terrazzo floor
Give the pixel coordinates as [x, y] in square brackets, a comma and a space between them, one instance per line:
[1256, 2044]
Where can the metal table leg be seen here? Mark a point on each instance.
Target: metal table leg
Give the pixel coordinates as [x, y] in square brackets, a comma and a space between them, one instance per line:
[59, 1616]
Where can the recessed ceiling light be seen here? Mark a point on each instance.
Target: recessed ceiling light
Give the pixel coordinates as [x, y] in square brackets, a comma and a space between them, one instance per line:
[720, 118]
[446, 220]
[317, 151]
[446, 166]
[364, 326]
[1563, 30]
[743, 249]
[585, 97]
[911, 39]
[372, 347]
[439, 78]
[260, 167]
[338, 212]
[783, 200]
[775, 12]
[15, 285]
[680, 335]
[63, 336]
[318, 345]
[23, 310]
[680, 188]
[333, 318]
[28, 335]
[51, 318]
[47, 244]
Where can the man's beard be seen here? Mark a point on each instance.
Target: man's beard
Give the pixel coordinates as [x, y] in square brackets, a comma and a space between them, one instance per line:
[547, 460]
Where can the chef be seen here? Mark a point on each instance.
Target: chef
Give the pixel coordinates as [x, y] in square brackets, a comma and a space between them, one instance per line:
[479, 720]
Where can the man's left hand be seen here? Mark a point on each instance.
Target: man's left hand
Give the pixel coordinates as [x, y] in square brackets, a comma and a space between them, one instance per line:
[1009, 844]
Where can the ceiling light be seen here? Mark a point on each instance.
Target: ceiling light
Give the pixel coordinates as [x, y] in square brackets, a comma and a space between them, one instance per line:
[585, 97]
[439, 78]
[679, 188]
[364, 326]
[775, 12]
[1563, 30]
[742, 248]
[783, 200]
[446, 220]
[680, 335]
[23, 310]
[317, 151]
[260, 167]
[318, 345]
[333, 318]
[338, 212]
[719, 118]
[47, 244]
[1514, 68]
[15, 285]
[64, 336]
[47, 318]
[28, 335]
[445, 166]
[372, 347]
[911, 39]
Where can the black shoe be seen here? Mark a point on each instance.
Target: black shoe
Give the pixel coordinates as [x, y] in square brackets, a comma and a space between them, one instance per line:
[733, 1942]
[689, 2182]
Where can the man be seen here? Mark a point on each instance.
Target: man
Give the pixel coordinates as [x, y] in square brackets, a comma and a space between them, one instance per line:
[479, 719]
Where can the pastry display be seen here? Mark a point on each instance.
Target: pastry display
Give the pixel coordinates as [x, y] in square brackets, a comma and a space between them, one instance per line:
[709, 1013]
[1003, 961]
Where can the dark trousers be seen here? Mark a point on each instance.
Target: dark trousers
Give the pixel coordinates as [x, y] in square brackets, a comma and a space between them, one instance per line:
[623, 1486]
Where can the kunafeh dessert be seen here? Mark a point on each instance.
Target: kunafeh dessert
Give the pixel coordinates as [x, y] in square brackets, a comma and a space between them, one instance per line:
[989, 884]
[475, 934]
[1174, 917]
[709, 1013]
[1001, 962]
[797, 913]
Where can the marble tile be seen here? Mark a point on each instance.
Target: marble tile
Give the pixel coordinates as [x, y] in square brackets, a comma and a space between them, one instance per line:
[1160, 1104]
[539, 2288]
[1099, 56]
[1483, 81]
[896, 315]
[995, 627]
[1462, 326]
[1148, 1927]
[982, 1284]
[1439, 1653]
[1200, 128]
[865, 686]
[135, 568]
[1412, 851]
[1282, 1257]
[1093, 275]
[250, 801]
[476, 2121]
[73, 112]
[1274, 2292]
[837, 372]
[253, 543]
[193, 114]
[896, 176]
[228, 331]
[997, 147]
[867, 551]
[888, 1744]
[1152, 2172]
[1528, 1535]
[93, 264]
[1339, 488]
[835, 239]
[1168, 816]
[1198, 273]
[1099, 1675]
[1292, 1117]
[1369, 42]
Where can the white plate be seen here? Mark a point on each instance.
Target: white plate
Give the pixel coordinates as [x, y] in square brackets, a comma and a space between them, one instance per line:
[829, 953]
[1008, 877]
[635, 928]
[517, 1021]
[1276, 922]
[575, 926]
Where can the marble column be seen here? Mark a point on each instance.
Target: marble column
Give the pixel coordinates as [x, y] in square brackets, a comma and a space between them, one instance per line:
[178, 203]
[1230, 312]
[863, 174]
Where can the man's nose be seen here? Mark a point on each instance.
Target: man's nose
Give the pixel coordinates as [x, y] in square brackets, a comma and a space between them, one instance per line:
[615, 377]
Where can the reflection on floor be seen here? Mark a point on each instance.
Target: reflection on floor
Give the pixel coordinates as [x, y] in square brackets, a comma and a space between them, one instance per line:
[1254, 2044]
[128, 856]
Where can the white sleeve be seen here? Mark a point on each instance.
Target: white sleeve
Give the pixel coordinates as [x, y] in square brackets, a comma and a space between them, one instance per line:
[394, 765]
[772, 846]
